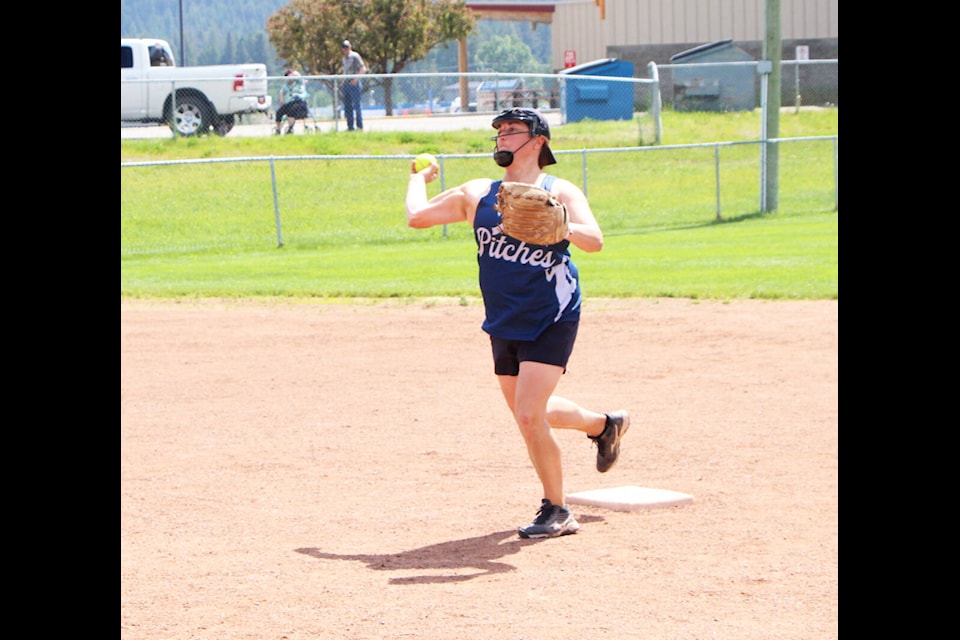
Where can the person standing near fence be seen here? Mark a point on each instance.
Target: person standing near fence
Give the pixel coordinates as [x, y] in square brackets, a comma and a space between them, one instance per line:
[352, 66]
[532, 301]
[293, 103]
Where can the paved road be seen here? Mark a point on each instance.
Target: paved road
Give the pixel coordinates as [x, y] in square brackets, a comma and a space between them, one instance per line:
[439, 122]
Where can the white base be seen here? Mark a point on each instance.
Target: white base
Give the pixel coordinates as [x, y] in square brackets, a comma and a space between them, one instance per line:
[629, 498]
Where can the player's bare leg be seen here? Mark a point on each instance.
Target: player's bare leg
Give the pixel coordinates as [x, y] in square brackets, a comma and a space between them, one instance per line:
[527, 395]
[567, 414]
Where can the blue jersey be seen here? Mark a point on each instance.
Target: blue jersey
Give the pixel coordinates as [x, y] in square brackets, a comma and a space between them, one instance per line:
[525, 287]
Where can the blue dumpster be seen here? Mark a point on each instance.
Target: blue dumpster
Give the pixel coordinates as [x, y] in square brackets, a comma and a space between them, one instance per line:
[597, 99]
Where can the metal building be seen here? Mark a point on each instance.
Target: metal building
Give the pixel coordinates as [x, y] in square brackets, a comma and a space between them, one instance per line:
[654, 30]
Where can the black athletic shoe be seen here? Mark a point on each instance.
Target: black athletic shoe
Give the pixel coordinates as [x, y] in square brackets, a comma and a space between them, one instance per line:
[608, 442]
[551, 521]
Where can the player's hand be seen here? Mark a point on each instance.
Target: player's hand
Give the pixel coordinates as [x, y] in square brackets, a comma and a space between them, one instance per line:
[429, 173]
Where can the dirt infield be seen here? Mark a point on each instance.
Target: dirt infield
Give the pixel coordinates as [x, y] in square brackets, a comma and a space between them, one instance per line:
[295, 471]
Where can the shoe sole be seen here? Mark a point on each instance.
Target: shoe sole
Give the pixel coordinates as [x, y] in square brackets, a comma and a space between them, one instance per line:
[540, 536]
[623, 432]
[626, 424]
[568, 530]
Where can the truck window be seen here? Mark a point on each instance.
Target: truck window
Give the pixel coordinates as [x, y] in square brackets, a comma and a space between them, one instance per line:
[126, 57]
[159, 57]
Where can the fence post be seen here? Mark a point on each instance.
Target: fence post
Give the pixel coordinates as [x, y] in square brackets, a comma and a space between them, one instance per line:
[583, 168]
[656, 104]
[716, 163]
[336, 105]
[173, 108]
[443, 187]
[276, 202]
[836, 174]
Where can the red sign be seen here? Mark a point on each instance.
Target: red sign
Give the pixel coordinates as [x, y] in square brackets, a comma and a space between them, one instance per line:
[569, 58]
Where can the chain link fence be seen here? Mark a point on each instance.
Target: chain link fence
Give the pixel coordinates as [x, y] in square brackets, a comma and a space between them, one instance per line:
[737, 86]
[279, 199]
[450, 95]
[712, 86]
[279, 203]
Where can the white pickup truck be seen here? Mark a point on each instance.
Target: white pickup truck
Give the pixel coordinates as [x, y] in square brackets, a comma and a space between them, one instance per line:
[192, 100]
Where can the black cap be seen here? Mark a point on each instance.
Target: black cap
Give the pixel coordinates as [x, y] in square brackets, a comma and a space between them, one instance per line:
[538, 127]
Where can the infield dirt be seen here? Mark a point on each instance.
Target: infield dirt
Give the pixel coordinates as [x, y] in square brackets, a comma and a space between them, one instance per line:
[298, 470]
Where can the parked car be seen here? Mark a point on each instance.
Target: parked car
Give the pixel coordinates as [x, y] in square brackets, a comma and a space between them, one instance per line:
[192, 100]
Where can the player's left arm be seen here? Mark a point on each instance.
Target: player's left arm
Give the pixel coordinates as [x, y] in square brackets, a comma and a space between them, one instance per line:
[585, 232]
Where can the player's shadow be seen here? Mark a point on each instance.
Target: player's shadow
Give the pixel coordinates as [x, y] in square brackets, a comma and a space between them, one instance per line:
[481, 553]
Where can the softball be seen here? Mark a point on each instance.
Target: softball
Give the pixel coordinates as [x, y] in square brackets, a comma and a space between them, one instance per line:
[423, 161]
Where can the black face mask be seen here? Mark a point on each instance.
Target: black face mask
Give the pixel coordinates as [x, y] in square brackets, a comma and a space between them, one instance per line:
[505, 158]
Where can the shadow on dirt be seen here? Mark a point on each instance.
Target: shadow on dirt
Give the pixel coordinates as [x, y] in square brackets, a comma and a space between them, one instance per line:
[448, 558]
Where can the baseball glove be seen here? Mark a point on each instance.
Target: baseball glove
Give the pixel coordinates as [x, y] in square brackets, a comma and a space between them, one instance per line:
[530, 214]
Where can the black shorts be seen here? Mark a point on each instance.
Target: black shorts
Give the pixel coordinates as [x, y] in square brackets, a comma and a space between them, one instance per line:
[553, 346]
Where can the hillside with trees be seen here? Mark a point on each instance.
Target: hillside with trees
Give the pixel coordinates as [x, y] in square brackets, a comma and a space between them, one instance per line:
[215, 32]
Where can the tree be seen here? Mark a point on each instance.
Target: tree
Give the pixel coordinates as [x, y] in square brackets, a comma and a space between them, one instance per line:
[388, 34]
[228, 55]
[208, 55]
[257, 48]
[506, 54]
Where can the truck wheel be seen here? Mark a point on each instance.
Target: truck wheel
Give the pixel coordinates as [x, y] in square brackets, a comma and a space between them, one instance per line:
[224, 125]
[193, 115]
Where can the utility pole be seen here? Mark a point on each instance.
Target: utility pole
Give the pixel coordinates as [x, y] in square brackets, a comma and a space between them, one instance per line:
[772, 54]
[183, 58]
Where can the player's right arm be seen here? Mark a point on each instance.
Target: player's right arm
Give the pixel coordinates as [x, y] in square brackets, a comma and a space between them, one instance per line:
[458, 204]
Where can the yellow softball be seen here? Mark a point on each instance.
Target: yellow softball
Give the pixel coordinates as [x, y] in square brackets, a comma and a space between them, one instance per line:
[423, 161]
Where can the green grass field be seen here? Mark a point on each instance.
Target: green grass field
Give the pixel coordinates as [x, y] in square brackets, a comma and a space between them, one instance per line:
[209, 230]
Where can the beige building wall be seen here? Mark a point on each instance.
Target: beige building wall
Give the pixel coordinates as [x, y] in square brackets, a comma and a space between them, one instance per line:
[577, 26]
